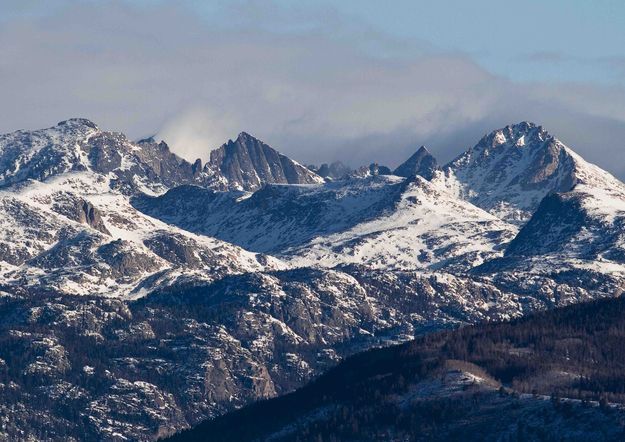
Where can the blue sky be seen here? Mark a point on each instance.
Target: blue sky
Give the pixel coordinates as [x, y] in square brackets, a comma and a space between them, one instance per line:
[524, 40]
[555, 40]
[353, 80]
[532, 40]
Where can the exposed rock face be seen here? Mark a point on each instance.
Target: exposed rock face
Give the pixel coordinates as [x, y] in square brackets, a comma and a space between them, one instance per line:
[105, 152]
[558, 219]
[88, 214]
[172, 169]
[373, 169]
[335, 170]
[126, 261]
[420, 163]
[247, 163]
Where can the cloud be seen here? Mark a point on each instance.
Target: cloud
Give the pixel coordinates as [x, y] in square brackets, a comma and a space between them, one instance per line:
[316, 91]
[195, 131]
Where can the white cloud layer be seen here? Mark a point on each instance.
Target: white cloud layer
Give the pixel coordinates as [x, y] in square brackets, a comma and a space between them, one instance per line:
[314, 93]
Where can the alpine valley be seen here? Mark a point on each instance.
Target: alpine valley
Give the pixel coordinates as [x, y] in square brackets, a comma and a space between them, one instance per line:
[141, 294]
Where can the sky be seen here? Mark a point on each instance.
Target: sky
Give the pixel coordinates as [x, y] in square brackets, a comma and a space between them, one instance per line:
[351, 80]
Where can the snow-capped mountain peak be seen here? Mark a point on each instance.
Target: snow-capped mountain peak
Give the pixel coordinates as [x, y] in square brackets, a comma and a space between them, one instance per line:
[521, 134]
[510, 170]
[77, 123]
[78, 144]
[43, 153]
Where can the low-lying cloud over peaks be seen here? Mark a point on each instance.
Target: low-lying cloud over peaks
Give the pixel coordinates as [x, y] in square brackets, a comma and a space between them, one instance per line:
[316, 94]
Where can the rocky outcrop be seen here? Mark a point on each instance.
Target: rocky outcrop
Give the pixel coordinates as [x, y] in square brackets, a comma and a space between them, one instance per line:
[373, 169]
[86, 213]
[334, 171]
[420, 163]
[247, 163]
[80, 210]
[168, 166]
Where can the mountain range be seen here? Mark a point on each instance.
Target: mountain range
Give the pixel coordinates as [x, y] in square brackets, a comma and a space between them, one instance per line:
[141, 293]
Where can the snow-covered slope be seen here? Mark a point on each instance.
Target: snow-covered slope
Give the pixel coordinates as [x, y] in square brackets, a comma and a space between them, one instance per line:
[67, 192]
[75, 234]
[512, 169]
[426, 228]
[67, 224]
[79, 145]
[580, 232]
[88, 212]
[275, 217]
[382, 221]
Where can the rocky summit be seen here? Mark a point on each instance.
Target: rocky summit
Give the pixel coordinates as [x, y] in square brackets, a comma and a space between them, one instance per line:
[142, 294]
[421, 163]
[247, 163]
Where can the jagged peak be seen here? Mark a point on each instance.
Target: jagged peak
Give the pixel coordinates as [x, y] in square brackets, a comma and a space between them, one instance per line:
[78, 122]
[523, 126]
[248, 163]
[513, 168]
[422, 162]
[147, 140]
[244, 136]
[245, 140]
[518, 134]
[421, 152]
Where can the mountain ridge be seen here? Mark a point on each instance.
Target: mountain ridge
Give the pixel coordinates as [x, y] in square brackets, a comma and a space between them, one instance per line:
[184, 293]
[247, 163]
[510, 170]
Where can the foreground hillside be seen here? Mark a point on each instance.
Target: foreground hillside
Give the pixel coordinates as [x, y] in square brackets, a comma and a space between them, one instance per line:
[93, 368]
[558, 375]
